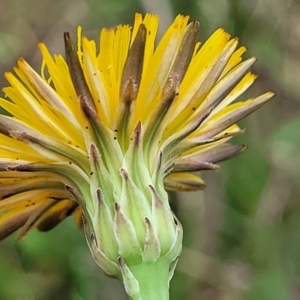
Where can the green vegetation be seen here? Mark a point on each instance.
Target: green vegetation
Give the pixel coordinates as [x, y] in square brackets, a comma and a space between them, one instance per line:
[242, 234]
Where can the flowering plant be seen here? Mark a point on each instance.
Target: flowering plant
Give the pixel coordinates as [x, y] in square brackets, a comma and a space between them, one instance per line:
[103, 136]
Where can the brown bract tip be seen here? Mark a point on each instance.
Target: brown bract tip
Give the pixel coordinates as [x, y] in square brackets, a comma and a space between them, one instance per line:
[77, 76]
[186, 50]
[133, 68]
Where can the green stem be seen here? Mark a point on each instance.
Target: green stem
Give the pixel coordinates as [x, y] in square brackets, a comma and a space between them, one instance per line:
[153, 279]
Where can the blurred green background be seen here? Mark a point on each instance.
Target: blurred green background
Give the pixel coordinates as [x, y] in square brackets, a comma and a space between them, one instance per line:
[242, 234]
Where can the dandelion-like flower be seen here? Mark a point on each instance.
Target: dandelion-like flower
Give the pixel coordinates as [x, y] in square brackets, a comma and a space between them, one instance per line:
[103, 134]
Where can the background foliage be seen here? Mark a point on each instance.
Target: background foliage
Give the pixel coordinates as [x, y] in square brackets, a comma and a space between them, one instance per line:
[242, 234]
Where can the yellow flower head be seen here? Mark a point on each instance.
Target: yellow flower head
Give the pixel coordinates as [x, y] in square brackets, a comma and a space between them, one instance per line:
[104, 132]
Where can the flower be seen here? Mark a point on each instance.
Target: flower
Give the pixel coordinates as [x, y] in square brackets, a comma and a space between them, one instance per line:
[102, 136]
